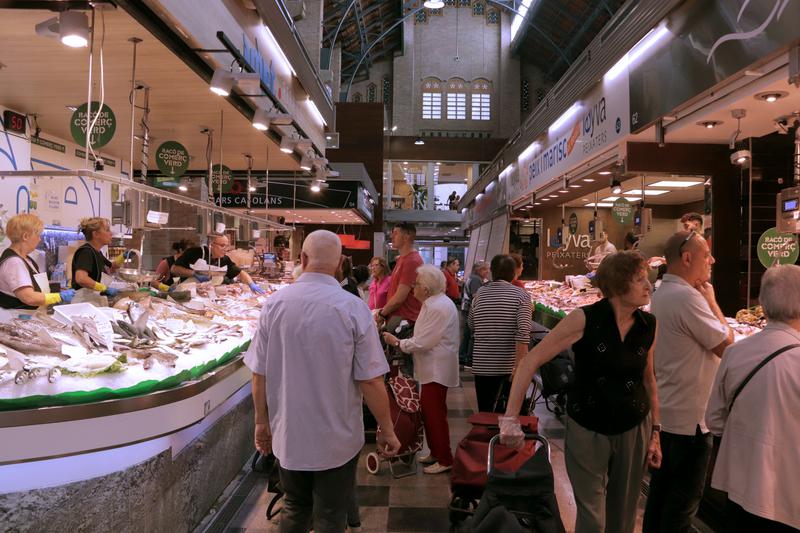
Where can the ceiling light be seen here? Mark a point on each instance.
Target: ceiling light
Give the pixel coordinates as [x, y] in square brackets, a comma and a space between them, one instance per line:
[600, 204]
[588, 180]
[305, 163]
[222, 82]
[573, 110]
[261, 120]
[562, 191]
[433, 4]
[575, 186]
[710, 124]
[553, 196]
[584, 200]
[183, 187]
[537, 203]
[251, 189]
[616, 186]
[287, 144]
[647, 192]
[610, 199]
[73, 26]
[419, 141]
[394, 128]
[670, 183]
[741, 157]
[771, 96]
[604, 173]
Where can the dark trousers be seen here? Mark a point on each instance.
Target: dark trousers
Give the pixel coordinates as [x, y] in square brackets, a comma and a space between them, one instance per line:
[740, 521]
[317, 500]
[486, 388]
[677, 487]
[465, 349]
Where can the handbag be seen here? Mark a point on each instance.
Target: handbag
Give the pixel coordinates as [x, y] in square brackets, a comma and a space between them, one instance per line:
[758, 367]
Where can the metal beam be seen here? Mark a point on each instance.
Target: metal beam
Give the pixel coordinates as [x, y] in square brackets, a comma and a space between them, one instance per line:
[577, 35]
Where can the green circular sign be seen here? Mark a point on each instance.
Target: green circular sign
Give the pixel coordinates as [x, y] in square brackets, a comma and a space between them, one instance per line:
[777, 248]
[622, 211]
[225, 177]
[103, 130]
[573, 223]
[172, 159]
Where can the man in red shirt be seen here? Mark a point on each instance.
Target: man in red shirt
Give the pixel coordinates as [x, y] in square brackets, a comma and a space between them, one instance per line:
[450, 271]
[401, 303]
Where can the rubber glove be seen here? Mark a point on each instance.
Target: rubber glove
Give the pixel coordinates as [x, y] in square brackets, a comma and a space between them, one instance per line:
[119, 259]
[99, 287]
[256, 289]
[52, 298]
[67, 295]
[111, 292]
[163, 287]
[201, 278]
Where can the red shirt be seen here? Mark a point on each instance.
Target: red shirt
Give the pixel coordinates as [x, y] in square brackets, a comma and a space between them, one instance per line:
[518, 283]
[405, 272]
[451, 289]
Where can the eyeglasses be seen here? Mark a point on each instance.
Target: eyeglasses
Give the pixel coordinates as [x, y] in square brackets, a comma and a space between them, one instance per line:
[687, 239]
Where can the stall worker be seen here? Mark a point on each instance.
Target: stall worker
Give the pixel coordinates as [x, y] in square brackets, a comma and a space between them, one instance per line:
[450, 270]
[692, 222]
[518, 271]
[214, 255]
[18, 288]
[88, 263]
[164, 269]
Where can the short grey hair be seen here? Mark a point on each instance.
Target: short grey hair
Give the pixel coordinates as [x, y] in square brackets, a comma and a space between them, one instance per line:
[431, 278]
[780, 293]
[323, 248]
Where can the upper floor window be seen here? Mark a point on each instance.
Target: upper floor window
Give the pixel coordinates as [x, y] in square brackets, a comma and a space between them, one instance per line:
[481, 100]
[432, 99]
[456, 106]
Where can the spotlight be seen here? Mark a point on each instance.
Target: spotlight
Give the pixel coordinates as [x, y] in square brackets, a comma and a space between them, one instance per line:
[419, 141]
[222, 82]
[741, 157]
[315, 187]
[74, 29]
[616, 186]
[305, 163]
[605, 172]
[251, 189]
[710, 124]
[260, 120]
[287, 144]
[394, 128]
[771, 96]
[184, 186]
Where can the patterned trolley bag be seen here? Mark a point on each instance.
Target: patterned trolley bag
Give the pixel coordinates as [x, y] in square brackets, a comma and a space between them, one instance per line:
[404, 406]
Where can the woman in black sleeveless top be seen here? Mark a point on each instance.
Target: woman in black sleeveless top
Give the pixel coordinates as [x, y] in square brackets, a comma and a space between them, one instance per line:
[610, 437]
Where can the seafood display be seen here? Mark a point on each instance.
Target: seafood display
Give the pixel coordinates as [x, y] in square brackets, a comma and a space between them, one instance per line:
[141, 337]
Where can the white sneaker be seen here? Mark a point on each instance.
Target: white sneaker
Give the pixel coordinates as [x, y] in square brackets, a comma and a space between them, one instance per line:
[436, 468]
[426, 460]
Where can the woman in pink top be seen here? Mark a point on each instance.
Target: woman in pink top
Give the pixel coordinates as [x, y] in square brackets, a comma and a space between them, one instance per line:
[379, 289]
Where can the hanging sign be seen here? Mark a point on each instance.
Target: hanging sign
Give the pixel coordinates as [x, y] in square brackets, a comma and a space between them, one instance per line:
[622, 211]
[103, 130]
[573, 223]
[172, 159]
[225, 177]
[777, 248]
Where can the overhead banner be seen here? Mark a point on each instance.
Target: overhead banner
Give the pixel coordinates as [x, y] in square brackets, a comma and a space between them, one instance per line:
[172, 159]
[592, 125]
[708, 43]
[103, 128]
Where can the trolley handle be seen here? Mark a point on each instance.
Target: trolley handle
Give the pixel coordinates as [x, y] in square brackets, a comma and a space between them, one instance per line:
[528, 436]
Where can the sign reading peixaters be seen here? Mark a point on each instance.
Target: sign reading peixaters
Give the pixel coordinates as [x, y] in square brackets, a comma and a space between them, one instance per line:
[622, 211]
[103, 130]
[172, 159]
[777, 248]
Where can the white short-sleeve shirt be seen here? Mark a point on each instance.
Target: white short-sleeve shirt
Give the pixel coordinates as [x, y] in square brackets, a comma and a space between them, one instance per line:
[14, 275]
[685, 366]
[314, 342]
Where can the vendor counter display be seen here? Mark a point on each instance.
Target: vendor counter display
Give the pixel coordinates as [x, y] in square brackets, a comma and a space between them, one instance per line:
[140, 344]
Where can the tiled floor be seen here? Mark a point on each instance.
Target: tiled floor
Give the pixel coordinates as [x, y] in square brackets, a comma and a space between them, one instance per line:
[417, 503]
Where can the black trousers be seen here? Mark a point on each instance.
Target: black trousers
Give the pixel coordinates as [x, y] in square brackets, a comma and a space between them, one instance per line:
[677, 487]
[740, 521]
[486, 388]
[317, 500]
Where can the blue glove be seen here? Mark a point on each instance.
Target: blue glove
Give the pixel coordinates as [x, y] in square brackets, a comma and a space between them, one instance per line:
[256, 289]
[111, 292]
[67, 295]
[202, 278]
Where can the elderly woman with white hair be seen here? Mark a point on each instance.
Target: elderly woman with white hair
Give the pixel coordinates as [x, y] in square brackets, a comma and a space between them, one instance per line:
[754, 403]
[434, 347]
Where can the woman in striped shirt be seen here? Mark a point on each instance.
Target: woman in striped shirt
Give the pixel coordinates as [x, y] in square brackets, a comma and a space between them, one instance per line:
[500, 318]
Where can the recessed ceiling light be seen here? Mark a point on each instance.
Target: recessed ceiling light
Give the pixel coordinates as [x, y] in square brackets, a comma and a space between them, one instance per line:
[647, 192]
[771, 96]
[562, 191]
[584, 200]
[671, 183]
[610, 199]
[600, 204]
[709, 124]
[588, 180]
[575, 186]
[553, 196]
[545, 199]
[605, 172]
[537, 203]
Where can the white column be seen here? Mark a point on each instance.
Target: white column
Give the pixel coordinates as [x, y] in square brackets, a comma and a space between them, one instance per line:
[430, 185]
[388, 187]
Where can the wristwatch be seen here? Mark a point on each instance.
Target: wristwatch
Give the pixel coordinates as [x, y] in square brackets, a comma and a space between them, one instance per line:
[657, 427]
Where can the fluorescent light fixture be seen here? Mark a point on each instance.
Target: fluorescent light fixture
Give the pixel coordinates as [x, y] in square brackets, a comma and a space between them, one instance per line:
[677, 184]
[610, 199]
[315, 112]
[519, 17]
[279, 50]
[553, 196]
[477, 198]
[647, 43]
[545, 199]
[647, 192]
[574, 185]
[599, 204]
[605, 172]
[73, 26]
[529, 150]
[537, 203]
[433, 4]
[588, 180]
[573, 110]
[287, 144]
[222, 82]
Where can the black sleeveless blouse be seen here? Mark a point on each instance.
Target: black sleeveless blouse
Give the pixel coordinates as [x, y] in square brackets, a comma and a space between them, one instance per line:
[608, 395]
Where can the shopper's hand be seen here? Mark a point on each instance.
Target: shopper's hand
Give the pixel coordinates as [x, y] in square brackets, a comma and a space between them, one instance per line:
[511, 433]
[67, 295]
[388, 444]
[201, 278]
[379, 320]
[263, 439]
[389, 339]
[256, 289]
[654, 451]
[707, 291]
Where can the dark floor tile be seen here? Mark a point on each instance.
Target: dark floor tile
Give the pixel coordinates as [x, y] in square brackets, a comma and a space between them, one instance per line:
[555, 433]
[372, 496]
[412, 519]
[459, 413]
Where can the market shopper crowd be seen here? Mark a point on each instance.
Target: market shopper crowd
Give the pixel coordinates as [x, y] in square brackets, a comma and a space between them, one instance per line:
[650, 389]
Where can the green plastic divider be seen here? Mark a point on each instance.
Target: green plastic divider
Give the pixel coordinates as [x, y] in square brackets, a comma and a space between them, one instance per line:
[105, 393]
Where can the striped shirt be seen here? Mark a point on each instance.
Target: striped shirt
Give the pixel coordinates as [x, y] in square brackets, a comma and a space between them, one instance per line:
[500, 317]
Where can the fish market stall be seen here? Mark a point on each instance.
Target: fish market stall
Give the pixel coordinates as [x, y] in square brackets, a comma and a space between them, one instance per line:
[149, 394]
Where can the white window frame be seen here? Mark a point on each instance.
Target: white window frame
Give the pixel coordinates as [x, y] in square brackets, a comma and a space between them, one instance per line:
[481, 106]
[432, 105]
[456, 106]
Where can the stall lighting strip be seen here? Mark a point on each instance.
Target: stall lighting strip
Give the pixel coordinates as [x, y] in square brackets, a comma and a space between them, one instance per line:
[141, 188]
